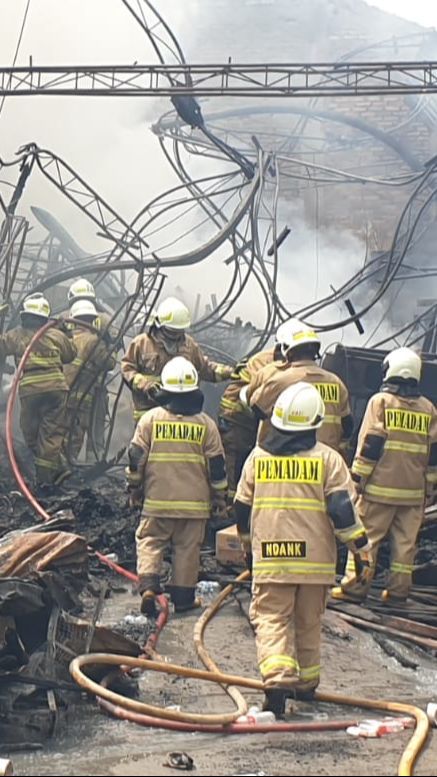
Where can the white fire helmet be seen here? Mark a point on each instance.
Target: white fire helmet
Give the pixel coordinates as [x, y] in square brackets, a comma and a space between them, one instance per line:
[81, 289]
[36, 305]
[172, 313]
[83, 307]
[298, 408]
[292, 333]
[179, 376]
[402, 363]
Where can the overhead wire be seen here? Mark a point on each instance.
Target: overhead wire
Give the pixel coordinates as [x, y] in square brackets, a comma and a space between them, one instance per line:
[17, 48]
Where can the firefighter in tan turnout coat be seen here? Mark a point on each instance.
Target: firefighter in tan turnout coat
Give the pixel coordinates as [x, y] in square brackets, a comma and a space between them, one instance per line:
[236, 421]
[148, 353]
[299, 346]
[42, 387]
[84, 375]
[395, 469]
[176, 467]
[294, 498]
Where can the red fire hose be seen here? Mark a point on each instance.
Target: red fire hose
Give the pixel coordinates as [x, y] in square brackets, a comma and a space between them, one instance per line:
[25, 490]
[123, 709]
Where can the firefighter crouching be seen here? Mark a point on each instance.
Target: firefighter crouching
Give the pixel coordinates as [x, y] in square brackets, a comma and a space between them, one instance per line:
[42, 388]
[236, 422]
[300, 347]
[176, 470]
[148, 354]
[294, 498]
[395, 470]
[83, 376]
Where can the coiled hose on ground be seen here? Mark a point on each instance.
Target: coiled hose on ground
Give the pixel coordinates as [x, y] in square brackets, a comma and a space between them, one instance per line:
[150, 715]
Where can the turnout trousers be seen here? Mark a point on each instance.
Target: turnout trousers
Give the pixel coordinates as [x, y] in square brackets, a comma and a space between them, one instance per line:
[185, 535]
[401, 523]
[287, 621]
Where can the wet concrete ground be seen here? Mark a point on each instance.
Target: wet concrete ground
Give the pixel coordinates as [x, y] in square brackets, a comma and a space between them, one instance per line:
[353, 664]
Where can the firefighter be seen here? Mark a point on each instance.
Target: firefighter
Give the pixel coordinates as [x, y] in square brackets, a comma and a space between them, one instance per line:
[395, 470]
[83, 290]
[295, 496]
[177, 471]
[42, 388]
[300, 348]
[83, 375]
[149, 352]
[236, 421]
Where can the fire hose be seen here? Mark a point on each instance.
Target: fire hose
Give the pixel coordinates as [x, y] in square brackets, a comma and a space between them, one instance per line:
[150, 715]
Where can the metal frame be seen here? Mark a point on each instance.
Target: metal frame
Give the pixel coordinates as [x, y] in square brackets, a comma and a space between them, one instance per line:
[338, 79]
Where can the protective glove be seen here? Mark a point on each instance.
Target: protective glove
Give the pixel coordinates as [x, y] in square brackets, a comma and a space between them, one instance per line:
[363, 563]
[246, 543]
[66, 328]
[135, 498]
[154, 391]
[142, 383]
[219, 512]
[239, 367]
[134, 477]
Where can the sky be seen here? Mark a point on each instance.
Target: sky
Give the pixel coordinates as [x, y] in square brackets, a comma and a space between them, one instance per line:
[420, 11]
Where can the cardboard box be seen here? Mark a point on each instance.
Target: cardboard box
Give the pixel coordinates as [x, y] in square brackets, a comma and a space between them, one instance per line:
[228, 548]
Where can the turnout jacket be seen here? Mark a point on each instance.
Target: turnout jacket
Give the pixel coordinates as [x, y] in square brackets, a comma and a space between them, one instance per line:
[396, 457]
[300, 501]
[91, 361]
[144, 360]
[44, 368]
[232, 408]
[179, 461]
[268, 383]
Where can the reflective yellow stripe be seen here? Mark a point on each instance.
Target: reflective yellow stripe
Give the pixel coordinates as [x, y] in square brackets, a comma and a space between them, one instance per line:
[30, 379]
[361, 468]
[245, 375]
[168, 457]
[139, 377]
[277, 565]
[310, 672]
[408, 447]
[139, 413]
[297, 503]
[395, 493]
[431, 477]
[229, 404]
[77, 362]
[43, 361]
[83, 399]
[347, 535]
[279, 661]
[219, 485]
[46, 463]
[405, 569]
[222, 369]
[171, 505]
[332, 419]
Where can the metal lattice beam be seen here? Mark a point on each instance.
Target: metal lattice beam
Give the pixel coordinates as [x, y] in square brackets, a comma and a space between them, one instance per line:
[261, 80]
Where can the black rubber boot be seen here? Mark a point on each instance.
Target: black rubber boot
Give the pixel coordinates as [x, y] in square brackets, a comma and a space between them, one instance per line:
[308, 695]
[183, 598]
[274, 701]
[149, 587]
[148, 604]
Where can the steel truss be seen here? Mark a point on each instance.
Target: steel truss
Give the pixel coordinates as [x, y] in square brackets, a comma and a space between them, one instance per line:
[339, 79]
